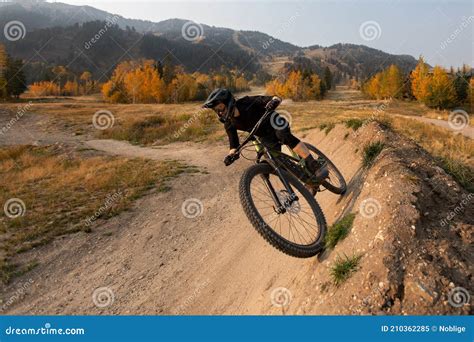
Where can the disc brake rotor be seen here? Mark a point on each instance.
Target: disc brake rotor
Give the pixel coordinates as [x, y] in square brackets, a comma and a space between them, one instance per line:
[293, 207]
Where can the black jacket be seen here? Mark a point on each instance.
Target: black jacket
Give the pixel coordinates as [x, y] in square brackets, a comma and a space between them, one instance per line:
[251, 109]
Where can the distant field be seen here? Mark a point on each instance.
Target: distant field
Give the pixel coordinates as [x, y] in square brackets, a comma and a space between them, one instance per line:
[149, 124]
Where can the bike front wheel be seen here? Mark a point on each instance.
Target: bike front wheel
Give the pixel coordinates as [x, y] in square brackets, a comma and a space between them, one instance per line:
[300, 229]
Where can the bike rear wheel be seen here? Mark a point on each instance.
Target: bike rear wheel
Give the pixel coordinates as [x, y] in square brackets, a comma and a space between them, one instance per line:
[300, 230]
[335, 181]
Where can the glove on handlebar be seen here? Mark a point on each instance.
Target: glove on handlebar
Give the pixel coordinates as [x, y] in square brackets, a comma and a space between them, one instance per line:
[231, 158]
[273, 103]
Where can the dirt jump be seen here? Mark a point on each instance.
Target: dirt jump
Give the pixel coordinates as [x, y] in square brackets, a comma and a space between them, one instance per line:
[414, 253]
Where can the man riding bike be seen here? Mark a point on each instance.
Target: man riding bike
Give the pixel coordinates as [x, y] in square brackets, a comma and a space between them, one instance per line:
[244, 113]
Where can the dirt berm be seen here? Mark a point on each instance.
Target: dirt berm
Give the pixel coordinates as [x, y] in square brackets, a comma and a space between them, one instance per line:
[413, 229]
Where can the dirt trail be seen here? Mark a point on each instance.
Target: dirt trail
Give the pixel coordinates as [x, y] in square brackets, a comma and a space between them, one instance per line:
[154, 260]
[467, 131]
[157, 260]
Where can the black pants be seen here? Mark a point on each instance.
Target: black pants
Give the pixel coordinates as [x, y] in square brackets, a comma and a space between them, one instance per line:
[276, 131]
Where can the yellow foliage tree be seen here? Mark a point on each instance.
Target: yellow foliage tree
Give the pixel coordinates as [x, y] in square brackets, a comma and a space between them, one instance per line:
[87, 83]
[71, 88]
[297, 86]
[385, 84]
[440, 90]
[141, 82]
[45, 88]
[420, 80]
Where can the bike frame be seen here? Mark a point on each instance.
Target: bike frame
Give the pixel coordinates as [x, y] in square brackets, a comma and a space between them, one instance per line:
[263, 150]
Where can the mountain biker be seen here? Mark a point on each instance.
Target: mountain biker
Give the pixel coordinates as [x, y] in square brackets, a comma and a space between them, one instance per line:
[244, 113]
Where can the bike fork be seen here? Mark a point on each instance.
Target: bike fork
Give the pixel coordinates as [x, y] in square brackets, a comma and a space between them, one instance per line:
[281, 207]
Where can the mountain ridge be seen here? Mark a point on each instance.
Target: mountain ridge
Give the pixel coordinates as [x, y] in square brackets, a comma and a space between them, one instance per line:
[212, 49]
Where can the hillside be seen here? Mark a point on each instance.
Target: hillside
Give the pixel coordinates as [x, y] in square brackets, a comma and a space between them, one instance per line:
[358, 60]
[47, 47]
[57, 34]
[41, 14]
[153, 260]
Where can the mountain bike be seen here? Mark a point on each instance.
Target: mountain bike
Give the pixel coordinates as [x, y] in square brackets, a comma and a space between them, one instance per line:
[278, 196]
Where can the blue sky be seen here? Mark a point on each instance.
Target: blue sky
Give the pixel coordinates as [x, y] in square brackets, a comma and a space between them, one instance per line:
[442, 31]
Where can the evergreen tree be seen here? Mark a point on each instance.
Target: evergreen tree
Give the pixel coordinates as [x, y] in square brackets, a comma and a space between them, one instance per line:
[328, 78]
[16, 80]
[3, 67]
[461, 86]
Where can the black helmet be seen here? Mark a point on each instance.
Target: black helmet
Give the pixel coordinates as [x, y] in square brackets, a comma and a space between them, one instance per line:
[221, 95]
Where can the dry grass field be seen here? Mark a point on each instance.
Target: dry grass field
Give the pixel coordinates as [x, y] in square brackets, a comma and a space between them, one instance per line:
[158, 124]
[63, 193]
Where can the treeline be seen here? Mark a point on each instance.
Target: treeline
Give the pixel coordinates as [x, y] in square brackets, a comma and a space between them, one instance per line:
[12, 78]
[436, 88]
[386, 84]
[65, 83]
[301, 85]
[148, 81]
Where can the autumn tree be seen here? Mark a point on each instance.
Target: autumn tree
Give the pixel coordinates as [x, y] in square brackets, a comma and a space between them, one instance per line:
[86, 79]
[60, 72]
[419, 80]
[298, 86]
[440, 90]
[45, 88]
[385, 84]
[147, 81]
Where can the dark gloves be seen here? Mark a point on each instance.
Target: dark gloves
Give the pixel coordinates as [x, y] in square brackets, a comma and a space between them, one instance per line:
[229, 159]
[273, 103]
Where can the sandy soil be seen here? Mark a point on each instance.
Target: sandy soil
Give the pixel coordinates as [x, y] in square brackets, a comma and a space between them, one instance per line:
[154, 260]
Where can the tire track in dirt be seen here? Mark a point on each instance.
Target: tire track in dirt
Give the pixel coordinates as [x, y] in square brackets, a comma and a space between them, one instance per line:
[157, 261]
